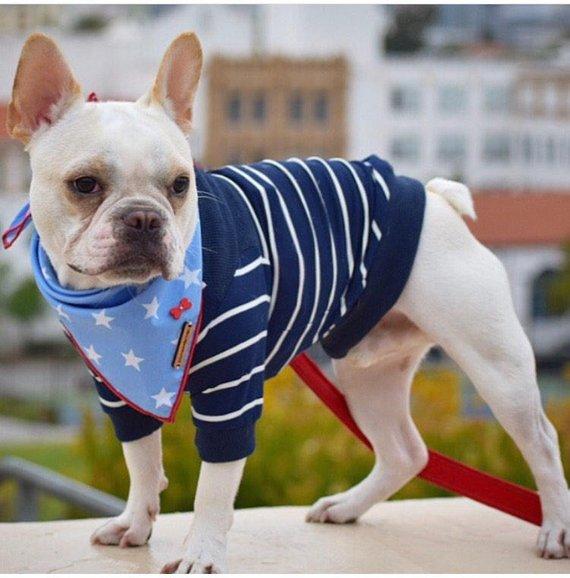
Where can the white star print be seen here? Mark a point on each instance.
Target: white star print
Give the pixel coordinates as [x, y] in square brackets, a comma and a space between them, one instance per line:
[190, 276]
[151, 308]
[163, 398]
[62, 313]
[131, 360]
[102, 319]
[92, 354]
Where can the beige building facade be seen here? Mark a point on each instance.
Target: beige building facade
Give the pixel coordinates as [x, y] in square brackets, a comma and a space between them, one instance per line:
[275, 107]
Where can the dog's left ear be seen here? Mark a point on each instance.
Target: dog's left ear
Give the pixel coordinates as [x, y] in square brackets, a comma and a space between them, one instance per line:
[177, 80]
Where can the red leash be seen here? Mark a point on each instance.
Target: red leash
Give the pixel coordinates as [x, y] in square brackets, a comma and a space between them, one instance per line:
[441, 470]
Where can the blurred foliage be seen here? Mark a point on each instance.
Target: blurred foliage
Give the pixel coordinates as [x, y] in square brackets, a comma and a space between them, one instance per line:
[25, 302]
[64, 458]
[559, 288]
[28, 409]
[409, 23]
[91, 23]
[303, 452]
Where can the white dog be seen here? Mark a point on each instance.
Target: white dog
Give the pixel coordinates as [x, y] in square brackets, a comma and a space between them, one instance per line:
[97, 171]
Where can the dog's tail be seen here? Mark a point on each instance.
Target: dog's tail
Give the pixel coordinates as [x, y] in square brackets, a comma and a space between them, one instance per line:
[456, 194]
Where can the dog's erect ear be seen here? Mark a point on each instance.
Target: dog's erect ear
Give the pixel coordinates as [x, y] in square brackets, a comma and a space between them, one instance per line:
[177, 80]
[44, 88]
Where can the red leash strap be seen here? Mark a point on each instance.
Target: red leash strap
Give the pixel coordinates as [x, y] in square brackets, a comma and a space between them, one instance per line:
[441, 470]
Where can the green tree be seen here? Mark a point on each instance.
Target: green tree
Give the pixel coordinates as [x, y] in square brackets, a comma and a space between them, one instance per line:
[25, 303]
[558, 292]
[406, 35]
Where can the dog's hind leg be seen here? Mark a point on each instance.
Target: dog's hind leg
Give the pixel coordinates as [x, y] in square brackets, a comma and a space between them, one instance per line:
[376, 378]
[459, 294]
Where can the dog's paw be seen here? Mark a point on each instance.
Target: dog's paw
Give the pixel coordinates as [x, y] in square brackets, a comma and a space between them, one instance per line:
[337, 509]
[553, 540]
[199, 565]
[206, 554]
[124, 531]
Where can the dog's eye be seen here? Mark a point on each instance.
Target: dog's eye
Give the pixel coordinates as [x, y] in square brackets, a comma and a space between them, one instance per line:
[86, 185]
[180, 185]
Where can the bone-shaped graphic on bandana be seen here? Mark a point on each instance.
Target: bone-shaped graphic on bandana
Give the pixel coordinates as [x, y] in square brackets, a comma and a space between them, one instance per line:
[184, 305]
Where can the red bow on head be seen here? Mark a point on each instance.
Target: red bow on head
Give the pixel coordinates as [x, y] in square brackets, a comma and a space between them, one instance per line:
[184, 305]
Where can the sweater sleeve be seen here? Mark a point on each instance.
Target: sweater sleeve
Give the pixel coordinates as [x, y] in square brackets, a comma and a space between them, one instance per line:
[226, 379]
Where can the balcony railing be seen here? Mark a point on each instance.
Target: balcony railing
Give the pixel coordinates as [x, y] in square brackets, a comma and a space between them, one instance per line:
[33, 480]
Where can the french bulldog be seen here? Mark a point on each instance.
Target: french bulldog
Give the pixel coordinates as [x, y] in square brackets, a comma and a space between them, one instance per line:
[102, 170]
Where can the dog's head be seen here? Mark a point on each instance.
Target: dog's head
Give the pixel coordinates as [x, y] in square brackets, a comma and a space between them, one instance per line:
[113, 193]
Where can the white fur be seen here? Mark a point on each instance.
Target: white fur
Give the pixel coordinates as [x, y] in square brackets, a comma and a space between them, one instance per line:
[140, 141]
[456, 194]
[134, 525]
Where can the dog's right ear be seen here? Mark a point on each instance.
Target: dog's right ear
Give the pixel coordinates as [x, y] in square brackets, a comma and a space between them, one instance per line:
[44, 88]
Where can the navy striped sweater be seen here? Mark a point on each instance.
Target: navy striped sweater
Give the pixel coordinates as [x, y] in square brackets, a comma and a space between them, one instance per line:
[294, 252]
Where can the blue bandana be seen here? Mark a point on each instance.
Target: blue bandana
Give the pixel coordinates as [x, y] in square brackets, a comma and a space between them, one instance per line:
[137, 340]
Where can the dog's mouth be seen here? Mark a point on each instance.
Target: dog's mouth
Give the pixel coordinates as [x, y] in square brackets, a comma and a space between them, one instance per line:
[131, 266]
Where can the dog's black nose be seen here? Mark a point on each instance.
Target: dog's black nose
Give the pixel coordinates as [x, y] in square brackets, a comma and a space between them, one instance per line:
[143, 220]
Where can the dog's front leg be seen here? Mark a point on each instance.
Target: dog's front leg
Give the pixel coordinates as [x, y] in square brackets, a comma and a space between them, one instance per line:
[134, 526]
[213, 516]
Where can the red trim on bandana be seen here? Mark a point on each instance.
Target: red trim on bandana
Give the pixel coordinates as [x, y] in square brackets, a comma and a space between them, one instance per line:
[10, 236]
[183, 381]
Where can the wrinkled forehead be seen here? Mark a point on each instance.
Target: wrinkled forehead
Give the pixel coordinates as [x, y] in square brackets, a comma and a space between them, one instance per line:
[124, 137]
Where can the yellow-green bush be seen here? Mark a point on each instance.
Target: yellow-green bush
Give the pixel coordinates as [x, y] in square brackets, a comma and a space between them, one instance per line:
[303, 452]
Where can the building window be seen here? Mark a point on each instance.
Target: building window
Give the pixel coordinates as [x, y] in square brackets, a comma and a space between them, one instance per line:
[405, 148]
[322, 108]
[451, 148]
[234, 107]
[452, 99]
[296, 105]
[405, 99]
[497, 148]
[526, 146]
[550, 151]
[527, 98]
[496, 98]
[259, 107]
[551, 99]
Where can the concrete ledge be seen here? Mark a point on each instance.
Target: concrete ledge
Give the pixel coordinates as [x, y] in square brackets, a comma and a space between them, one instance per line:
[444, 535]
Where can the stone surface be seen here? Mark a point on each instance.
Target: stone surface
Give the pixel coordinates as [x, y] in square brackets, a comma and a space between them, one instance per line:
[444, 535]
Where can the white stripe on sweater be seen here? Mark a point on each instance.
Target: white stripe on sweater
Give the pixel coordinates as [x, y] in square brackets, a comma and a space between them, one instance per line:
[333, 250]
[251, 266]
[251, 211]
[235, 382]
[297, 246]
[231, 313]
[376, 230]
[228, 352]
[365, 208]
[309, 324]
[344, 210]
[108, 403]
[274, 252]
[380, 180]
[228, 416]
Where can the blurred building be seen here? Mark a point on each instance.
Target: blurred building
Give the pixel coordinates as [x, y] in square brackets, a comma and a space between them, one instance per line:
[315, 79]
[275, 107]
